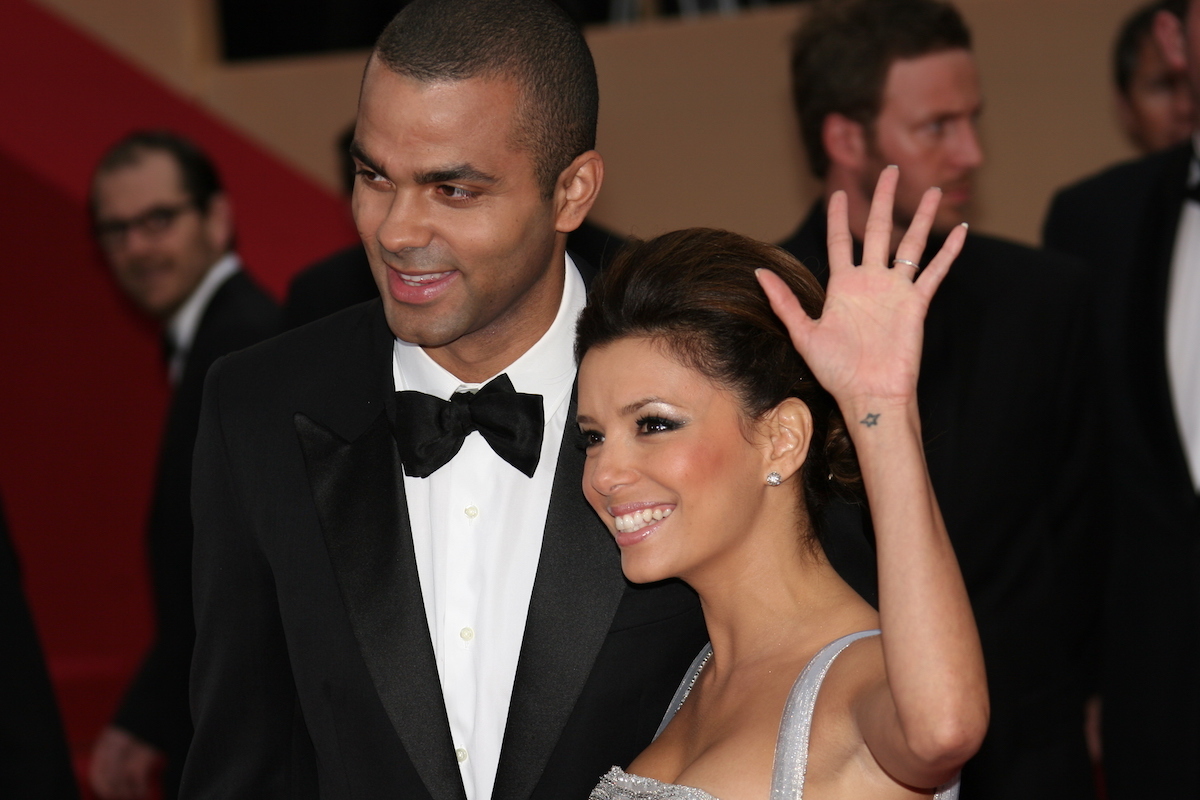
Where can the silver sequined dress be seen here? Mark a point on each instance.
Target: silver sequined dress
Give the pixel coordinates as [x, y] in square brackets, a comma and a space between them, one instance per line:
[791, 748]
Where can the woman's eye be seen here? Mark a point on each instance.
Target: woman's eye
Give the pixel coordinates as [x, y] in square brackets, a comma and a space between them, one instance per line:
[656, 425]
[588, 439]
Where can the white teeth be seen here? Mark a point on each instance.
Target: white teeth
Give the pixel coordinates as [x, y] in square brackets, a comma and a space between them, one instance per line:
[628, 523]
[420, 280]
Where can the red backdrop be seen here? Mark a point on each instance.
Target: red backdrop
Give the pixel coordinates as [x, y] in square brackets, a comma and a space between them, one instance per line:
[82, 392]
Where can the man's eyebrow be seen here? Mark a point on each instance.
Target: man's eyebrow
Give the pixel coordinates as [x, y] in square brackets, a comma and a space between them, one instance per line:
[454, 174]
[357, 152]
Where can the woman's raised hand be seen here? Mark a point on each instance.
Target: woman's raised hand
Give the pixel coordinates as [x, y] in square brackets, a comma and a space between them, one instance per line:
[867, 342]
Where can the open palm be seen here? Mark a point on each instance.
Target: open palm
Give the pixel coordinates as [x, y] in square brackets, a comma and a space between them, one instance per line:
[867, 342]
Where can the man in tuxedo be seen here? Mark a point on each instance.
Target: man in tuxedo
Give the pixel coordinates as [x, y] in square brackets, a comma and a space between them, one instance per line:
[1138, 227]
[1003, 385]
[164, 226]
[400, 589]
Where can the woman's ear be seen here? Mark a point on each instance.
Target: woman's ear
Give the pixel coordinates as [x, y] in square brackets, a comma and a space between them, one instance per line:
[787, 429]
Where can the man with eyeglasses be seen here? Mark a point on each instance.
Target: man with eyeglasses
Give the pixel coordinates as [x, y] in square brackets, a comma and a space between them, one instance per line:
[164, 225]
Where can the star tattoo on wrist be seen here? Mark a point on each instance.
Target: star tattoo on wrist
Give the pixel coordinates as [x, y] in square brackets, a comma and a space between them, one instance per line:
[870, 420]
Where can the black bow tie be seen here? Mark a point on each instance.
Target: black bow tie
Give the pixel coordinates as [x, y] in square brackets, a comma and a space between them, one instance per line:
[429, 431]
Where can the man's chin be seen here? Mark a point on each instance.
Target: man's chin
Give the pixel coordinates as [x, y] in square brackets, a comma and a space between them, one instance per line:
[158, 303]
[409, 330]
[948, 219]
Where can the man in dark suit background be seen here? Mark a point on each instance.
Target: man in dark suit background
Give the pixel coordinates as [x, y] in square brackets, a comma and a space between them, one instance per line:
[339, 280]
[1003, 388]
[1138, 227]
[386, 608]
[165, 228]
[1154, 101]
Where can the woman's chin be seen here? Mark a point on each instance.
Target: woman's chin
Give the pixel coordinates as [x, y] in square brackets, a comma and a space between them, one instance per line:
[642, 570]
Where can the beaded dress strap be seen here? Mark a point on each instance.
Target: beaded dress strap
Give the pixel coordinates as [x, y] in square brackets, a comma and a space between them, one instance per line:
[791, 748]
[685, 687]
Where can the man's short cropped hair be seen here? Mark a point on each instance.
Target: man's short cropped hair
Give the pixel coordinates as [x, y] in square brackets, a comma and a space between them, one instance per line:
[531, 42]
[201, 181]
[1137, 29]
[1177, 7]
[843, 51]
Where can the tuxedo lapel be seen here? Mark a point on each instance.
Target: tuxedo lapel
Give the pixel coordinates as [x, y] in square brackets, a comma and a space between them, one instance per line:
[575, 597]
[1146, 294]
[359, 494]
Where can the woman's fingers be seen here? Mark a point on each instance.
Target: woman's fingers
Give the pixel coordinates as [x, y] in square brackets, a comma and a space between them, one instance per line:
[838, 240]
[912, 246]
[878, 236]
[877, 242]
[932, 276]
[786, 307]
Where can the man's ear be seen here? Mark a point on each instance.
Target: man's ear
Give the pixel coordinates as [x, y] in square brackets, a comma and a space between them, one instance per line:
[218, 223]
[1127, 119]
[576, 190]
[1168, 34]
[845, 142]
[787, 431]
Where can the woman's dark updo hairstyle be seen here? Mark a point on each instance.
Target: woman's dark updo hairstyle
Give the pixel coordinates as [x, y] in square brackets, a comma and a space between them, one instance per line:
[695, 292]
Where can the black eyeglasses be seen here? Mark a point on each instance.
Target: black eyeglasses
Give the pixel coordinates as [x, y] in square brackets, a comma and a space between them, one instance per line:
[111, 233]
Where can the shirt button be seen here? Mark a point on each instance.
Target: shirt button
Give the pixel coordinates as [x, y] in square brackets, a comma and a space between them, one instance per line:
[461, 754]
[471, 511]
[467, 635]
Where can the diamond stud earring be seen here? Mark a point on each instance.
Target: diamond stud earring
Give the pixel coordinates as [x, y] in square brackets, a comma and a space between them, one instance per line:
[774, 479]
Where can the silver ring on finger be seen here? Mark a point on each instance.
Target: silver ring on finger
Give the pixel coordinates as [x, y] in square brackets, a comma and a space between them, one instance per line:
[912, 264]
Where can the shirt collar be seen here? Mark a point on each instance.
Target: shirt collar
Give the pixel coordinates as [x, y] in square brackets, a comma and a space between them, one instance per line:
[183, 323]
[547, 368]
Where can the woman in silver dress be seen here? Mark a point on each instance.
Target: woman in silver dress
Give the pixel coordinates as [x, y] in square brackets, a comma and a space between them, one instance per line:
[712, 446]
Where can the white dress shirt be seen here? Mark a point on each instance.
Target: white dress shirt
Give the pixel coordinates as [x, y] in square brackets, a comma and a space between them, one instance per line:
[1183, 326]
[477, 528]
[183, 324]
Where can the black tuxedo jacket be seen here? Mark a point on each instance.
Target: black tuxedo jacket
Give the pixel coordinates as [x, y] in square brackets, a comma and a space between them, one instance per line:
[1005, 416]
[155, 707]
[1123, 223]
[339, 281]
[314, 673]
[34, 761]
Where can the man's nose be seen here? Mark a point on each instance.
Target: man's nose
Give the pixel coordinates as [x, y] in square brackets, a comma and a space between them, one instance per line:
[136, 240]
[968, 149]
[406, 224]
